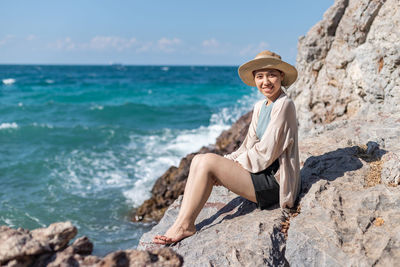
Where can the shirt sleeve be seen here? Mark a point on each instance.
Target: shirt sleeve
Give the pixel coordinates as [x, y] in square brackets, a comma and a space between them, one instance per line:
[277, 137]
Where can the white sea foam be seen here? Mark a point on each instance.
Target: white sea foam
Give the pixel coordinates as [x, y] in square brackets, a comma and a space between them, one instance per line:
[43, 125]
[33, 218]
[8, 81]
[98, 107]
[91, 172]
[48, 81]
[165, 68]
[8, 222]
[6, 125]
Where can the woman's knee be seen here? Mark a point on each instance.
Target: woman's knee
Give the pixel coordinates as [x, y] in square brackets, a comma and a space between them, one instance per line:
[203, 161]
[196, 161]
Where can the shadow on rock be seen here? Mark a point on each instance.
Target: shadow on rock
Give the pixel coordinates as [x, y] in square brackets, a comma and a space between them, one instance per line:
[334, 164]
[242, 206]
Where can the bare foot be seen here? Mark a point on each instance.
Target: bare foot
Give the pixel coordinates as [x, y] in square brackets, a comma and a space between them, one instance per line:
[174, 234]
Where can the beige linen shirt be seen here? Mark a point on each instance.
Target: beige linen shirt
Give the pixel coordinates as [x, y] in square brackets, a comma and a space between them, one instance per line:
[280, 140]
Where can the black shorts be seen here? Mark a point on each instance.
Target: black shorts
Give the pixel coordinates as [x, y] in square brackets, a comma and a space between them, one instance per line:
[266, 186]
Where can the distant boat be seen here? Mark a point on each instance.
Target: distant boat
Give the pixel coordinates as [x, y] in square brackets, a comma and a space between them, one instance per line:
[165, 68]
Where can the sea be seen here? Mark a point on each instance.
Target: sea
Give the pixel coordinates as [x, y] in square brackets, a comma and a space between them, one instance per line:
[85, 144]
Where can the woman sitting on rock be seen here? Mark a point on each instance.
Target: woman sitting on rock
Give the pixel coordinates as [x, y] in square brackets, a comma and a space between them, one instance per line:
[265, 168]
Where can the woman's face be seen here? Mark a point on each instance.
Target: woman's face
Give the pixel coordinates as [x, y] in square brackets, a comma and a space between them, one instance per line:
[268, 82]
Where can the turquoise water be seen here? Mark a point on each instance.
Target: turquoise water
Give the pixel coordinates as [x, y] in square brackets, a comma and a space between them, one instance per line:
[86, 143]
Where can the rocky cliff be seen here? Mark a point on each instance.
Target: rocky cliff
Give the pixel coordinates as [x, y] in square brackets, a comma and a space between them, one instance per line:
[347, 99]
[349, 62]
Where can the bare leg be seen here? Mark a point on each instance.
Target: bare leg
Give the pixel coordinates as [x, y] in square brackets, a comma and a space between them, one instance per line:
[204, 170]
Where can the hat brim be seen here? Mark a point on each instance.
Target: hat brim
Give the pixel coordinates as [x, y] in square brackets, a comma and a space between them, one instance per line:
[246, 70]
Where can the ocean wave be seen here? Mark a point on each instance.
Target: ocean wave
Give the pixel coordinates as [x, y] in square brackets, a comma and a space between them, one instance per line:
[98, 107]
[83, 172]
[7, 221]
[42, 125]
[6, 125]
[8, 81]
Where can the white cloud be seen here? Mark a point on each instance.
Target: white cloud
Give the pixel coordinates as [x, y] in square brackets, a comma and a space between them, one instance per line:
[213, 46]
[110, 42]
[31, 37]
[99, 43]
[64, 44]
[212, 43]
[253, 49]
[168, 45]
[6, 39]
[144, 47]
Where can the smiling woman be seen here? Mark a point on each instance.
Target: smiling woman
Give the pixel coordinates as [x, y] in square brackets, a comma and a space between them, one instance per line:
[265, 169]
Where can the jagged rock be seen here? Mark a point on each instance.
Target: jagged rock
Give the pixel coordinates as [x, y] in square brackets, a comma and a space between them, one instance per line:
[349, 63]
[230, 140]
[73, 255]
[131, 258]
[20, 244]
[49, 247]
[172, 183]
[230, 231]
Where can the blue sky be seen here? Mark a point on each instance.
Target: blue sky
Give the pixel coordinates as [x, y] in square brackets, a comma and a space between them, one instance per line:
[151, 32]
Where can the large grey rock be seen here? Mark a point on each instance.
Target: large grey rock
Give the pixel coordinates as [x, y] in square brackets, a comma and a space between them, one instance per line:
[349, 63]
[230, 232]
[344, 221]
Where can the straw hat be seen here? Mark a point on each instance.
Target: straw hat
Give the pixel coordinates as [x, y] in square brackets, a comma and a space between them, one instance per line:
[267, 59]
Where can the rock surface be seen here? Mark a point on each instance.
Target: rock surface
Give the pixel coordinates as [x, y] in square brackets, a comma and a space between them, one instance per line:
[230, 231]
[49, 247]
[346, 220]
